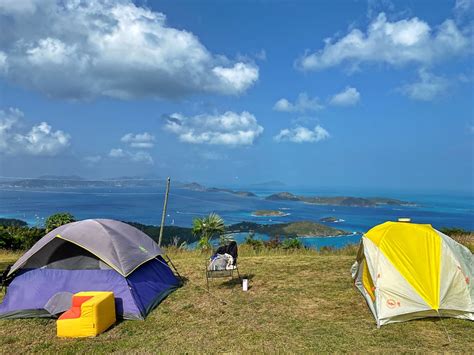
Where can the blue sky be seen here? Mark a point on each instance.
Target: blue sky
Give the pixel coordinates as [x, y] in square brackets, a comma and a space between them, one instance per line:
[313, 93]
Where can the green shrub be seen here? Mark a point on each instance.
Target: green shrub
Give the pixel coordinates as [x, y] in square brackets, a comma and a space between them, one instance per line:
[292, 243]
[57, 220]
[19, 238]
[255, 244]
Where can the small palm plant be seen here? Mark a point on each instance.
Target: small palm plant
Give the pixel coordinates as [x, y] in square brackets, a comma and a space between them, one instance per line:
[205, 228]
[225, 239]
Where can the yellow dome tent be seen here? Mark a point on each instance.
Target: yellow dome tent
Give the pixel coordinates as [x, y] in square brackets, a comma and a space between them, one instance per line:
[407, 271]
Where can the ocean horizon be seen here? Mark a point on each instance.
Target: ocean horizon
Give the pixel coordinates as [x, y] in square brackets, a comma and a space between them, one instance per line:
[144, 205]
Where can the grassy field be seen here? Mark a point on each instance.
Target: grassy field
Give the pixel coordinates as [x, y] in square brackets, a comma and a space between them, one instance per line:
[297, 302]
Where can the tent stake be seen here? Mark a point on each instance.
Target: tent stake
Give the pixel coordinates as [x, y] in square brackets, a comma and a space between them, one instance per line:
[164, 211]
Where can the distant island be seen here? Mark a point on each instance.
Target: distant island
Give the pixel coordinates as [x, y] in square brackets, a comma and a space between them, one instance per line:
[234, 192]
[331, 220]
[339, 200]
[269, 213]
[73, 181]
[12, 222]
[291, 229]
[52, 181]
[194, 186]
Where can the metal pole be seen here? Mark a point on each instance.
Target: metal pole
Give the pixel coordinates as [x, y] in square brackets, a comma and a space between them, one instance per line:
[164, 211]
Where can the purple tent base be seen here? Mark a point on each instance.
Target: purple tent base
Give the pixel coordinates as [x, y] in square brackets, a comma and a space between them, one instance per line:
[135, 296]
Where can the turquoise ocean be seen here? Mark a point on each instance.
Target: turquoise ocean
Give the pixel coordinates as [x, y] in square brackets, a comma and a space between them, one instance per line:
[144, 205]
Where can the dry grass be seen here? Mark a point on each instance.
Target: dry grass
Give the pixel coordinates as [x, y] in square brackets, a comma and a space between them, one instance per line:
[299, 301]
[8, 257]
[465, 239]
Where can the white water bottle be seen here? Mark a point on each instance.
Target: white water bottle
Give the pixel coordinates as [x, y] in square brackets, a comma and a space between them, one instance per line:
[245, 284]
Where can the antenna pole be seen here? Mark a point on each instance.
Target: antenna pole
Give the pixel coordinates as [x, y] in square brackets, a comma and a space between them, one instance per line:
[164, 211]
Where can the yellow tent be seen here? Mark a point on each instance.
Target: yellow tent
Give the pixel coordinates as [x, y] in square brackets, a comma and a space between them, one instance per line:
[407, 271]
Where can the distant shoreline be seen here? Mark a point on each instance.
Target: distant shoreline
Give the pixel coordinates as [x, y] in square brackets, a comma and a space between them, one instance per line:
[70, 182]
[291, 229]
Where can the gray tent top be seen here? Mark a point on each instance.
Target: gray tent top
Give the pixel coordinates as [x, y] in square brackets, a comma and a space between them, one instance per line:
[119, 245]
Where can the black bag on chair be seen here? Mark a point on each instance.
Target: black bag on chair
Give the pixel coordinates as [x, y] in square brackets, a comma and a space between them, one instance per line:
[230, 249]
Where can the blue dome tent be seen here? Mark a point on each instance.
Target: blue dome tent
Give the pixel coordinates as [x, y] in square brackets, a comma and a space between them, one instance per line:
[90, 255]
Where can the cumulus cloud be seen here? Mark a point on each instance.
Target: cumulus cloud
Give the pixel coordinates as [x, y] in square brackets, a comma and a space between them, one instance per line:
[143, 140]
[137, 156]
[427, 88]
[348, 97]
[394, 43]
[40, 139]
[302, 104]
[301, 134]
[73, 49]
[117, 153]
[229, 128]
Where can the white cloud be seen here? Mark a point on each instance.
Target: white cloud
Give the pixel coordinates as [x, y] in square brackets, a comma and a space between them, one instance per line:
[138, 157]
[117, 153]
[73, 49]
[143, 140]
[235, 79]
[348, 97]
[283, 105]
[8, 122]
[302, 135]
[427, 88]
[462, 7]
[229, 128]
[41, 139]
[394, 43]
[302, 104]
[3, 63]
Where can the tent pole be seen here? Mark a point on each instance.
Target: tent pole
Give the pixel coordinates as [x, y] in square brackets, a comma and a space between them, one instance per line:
[164, 211]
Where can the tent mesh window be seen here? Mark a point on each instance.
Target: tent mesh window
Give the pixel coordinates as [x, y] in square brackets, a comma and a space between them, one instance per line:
[61, 254]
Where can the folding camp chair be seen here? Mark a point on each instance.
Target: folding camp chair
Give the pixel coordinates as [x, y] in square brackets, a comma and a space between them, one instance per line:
[230, 249]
